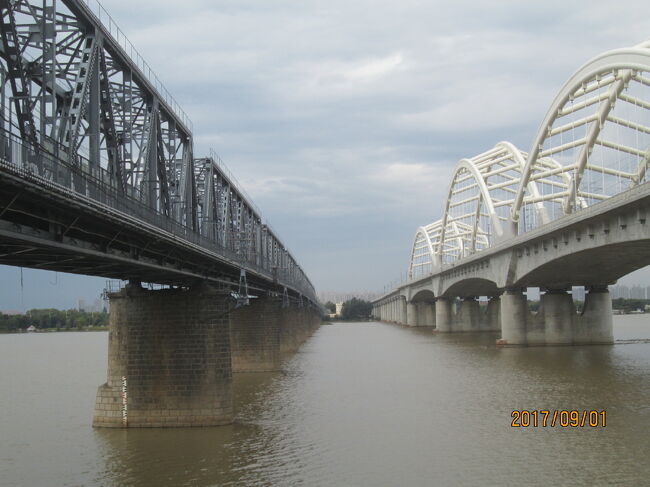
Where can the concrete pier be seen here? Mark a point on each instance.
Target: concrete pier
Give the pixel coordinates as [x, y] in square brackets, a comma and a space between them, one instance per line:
[443, 315]
[595, 324]
[168, 360]
[411, 314]
[559, 314]
[468, 316]
[514, 312]
[492, 321]
[402, 313]
[426, 314]
[556, 322]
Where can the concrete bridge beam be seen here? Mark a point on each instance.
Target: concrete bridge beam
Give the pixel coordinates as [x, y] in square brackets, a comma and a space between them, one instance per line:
[402, 317]
[168, 359]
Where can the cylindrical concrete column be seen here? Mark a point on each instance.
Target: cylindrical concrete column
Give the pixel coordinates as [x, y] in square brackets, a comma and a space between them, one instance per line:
[411, 314]
[595, 325]
[514, 311]
[559, 317]
[429, 314]
[492, 320]
[402, 318]
[443, 315]
[469, 315]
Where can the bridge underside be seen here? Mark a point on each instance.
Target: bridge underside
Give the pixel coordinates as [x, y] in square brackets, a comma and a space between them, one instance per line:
[42, 227]
[601, 266]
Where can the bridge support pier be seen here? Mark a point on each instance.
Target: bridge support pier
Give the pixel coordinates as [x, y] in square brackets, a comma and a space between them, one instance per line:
[559, 313]
[493, 315]
[443, 315]
[557, 322]
[514, 311]
[426, 313]
[595, 324]
[255, 334]
[468, 317]
[411, 314]
[296, 325]
[168, 360]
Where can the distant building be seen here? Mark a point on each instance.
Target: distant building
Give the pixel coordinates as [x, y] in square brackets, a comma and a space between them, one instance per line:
[637, 292]
[339, 309]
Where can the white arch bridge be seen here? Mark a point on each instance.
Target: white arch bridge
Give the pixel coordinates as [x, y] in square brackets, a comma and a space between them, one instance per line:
[569, 212]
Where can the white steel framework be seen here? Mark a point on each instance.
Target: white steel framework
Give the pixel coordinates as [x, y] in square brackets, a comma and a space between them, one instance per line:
[593, 143]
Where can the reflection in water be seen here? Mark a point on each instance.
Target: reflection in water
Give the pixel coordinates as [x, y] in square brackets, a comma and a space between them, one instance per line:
[360, 404]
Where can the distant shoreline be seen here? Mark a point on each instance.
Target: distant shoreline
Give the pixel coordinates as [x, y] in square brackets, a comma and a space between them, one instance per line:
[54, 330]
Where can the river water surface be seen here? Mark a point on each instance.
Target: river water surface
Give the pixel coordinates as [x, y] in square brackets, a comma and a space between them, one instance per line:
[364, 404]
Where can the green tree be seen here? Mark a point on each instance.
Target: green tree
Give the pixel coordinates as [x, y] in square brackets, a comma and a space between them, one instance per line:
[331, 307]
[356, 309]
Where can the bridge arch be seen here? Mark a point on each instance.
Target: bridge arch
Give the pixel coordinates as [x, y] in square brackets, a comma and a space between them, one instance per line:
[429, 250]
[424, 296]
[598, 129]
[472, 287]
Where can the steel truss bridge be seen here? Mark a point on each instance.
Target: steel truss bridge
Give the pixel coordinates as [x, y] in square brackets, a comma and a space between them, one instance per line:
[593, 144]
[98, 174]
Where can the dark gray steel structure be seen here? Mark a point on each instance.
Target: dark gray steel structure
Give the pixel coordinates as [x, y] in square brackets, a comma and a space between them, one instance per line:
[97, 170]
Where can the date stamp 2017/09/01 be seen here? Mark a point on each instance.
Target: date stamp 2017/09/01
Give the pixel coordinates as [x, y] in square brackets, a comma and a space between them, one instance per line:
[565, 418]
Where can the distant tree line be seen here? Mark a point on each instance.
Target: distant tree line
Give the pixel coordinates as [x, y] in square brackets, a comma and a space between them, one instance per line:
[353, 309]
[356, 309]
[624, 304]
[628, 305]
[52, 319]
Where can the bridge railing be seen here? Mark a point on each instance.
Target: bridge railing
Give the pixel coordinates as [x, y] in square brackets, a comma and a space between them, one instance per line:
[97, 184]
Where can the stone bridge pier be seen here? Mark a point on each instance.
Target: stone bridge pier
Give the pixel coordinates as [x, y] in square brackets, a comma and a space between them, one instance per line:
[557, 322]
[172, 353]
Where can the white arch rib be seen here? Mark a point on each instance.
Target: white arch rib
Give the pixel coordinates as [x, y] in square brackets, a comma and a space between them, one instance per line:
[485, 194]
[421, 231]
[628, 60]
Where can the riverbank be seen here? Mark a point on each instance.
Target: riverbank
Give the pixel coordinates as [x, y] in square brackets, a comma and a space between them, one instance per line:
[54, 330]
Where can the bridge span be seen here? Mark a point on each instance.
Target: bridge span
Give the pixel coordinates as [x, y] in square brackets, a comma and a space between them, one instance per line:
[570, 212]
[98, 176]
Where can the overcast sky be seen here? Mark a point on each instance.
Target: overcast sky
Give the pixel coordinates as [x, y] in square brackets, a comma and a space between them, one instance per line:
[343, 120]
